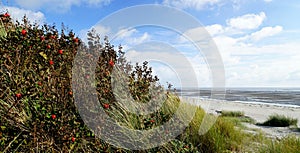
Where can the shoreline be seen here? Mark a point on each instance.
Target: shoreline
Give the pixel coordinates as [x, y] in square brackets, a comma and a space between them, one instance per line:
[244, 102]
[259, 112]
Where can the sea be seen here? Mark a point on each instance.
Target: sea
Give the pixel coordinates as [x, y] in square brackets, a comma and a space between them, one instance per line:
[272, 96]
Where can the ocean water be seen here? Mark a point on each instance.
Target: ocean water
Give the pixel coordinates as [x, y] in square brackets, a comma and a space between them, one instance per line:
[276, 96]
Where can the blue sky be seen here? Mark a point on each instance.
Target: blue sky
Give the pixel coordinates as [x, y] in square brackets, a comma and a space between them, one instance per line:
[258, 40]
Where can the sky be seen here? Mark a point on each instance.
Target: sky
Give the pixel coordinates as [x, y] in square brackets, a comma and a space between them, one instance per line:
[258, 40]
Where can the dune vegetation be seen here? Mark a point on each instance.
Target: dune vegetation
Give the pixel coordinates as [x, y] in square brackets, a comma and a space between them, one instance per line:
[280, 121]
[38, 112]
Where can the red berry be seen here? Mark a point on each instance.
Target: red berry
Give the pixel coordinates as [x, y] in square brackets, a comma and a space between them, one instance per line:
[53, 37]
[76, 40]
[53, 116]
[40, 83]
[106, 106]
[6, 15]
[51, 62]
[48, 46]
[18, 95]
[60, 51]
[152, 121]
[70, 93]
[24, 32]
[73, 139]
[42, 38]
[111, 63]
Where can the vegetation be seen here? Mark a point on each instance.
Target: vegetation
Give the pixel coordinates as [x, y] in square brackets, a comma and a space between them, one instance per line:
[286, 145]
[38, 112]
[232, 113]
[280, 121]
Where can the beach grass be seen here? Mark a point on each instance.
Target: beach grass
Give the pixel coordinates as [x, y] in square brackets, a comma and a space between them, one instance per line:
[277, 120]
[232, 113]
[236, 117]
[222, 136]
[289, 144]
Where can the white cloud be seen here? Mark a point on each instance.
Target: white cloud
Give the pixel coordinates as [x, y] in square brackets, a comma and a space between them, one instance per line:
[123, 33]
[268, 1]
[196, 4]
[103, 31]
[215, 29]
[130, 37]
[58, 5]
[248, 64]
[18, 14]
[267, 65]
[98, 2]
[138, 40]
[189, 72]
[265, 32]
[247, 22]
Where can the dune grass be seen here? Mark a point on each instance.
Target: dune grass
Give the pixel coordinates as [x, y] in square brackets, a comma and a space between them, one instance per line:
[280, 121]
[221, 137]
[290, 144]
[232, 113]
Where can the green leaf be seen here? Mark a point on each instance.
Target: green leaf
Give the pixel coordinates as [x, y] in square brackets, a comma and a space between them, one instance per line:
[44, 55]
[3, 127]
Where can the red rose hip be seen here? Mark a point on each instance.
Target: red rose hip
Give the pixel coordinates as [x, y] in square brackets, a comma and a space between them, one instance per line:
[6, 15]
[76, 40]
[51, 62]
[23, 32]
[73, 139]
[106, 106]
[111, 63]
[60, 51]
[18, 95]
[42, 38]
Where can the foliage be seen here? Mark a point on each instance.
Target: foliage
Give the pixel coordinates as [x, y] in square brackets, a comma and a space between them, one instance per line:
[285, 145]
[221, 137]
[280, 121]
[232, 113]
[37, 108]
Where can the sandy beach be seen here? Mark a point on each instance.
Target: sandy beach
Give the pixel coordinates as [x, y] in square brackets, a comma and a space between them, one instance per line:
[259, 112]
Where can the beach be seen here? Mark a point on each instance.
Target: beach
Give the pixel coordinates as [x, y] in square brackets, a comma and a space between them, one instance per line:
[258, 111]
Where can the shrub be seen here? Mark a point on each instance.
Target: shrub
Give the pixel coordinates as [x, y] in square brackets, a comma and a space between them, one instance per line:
[37, 109]
[280, 121]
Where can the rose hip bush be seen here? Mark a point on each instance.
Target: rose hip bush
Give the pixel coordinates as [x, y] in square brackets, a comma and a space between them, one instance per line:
[37, 109]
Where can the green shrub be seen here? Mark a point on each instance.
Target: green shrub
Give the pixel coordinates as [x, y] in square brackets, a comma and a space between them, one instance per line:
[36, 98]
[280, 121]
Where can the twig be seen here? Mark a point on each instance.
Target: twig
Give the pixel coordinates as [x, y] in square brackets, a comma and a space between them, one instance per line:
[12, 141]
